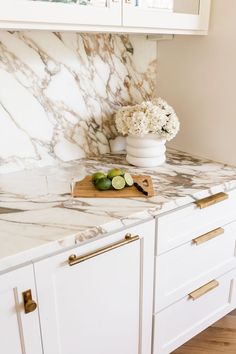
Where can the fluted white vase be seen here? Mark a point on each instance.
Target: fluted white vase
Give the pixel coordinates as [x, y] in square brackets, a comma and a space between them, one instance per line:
[145, 151]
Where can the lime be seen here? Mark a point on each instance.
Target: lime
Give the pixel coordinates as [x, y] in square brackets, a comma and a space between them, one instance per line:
[96, 176]
[103, 184]
[118, 182]
[115, 172]
[128, 179]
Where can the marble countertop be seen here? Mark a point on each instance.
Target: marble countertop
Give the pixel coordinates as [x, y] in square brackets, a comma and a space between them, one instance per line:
[37, 217]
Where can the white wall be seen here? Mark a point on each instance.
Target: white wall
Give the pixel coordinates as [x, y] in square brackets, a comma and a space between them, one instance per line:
[197, 75]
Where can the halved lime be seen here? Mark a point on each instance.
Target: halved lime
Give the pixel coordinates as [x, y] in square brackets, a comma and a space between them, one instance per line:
[115, 172]
[128, 179]
[118, 182]
[97, 175]
[103, 184]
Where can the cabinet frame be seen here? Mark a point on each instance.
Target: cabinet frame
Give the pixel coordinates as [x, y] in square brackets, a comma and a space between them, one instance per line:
[135, 16]
[120, 16]
[27, 14]
[20, 328]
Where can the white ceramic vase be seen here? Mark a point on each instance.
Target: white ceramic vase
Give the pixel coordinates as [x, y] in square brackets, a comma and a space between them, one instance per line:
[145, 151]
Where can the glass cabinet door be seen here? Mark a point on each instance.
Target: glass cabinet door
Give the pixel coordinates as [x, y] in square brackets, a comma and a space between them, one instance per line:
[61, 12]
[167, 14]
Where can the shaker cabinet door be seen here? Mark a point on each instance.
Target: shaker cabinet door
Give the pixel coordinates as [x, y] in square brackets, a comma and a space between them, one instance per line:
[59, 14]
[169, 16]
[90, 298]
[132, 16]
[93, 306]
[20, 332]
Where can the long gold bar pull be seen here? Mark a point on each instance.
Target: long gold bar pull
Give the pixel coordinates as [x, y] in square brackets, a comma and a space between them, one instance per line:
[204, 289]
[208, 236]
[73, 259]
[213, 199]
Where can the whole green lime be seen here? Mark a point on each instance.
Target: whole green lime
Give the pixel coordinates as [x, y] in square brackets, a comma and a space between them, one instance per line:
[97, 175]
[103, 184]
[114, 173]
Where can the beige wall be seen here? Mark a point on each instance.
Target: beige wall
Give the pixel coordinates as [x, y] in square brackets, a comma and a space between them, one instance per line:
[197, 75]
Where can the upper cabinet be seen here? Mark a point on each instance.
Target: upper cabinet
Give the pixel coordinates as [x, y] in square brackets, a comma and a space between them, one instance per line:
[59, 14]
[167, 16]
[137, 16]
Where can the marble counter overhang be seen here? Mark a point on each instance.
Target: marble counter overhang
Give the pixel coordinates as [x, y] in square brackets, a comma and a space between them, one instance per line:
[35, 221]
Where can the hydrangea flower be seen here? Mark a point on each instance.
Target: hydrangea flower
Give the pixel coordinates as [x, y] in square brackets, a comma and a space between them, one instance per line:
[155, 117]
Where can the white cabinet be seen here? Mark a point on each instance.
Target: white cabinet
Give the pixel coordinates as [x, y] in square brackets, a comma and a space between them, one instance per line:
[99, 300]
[185, 268]
[190, 315]
[167, 18]
[195, 269]
[131, 16]
[20, 332]
[60, 14]
[192, 221]
[99, 297]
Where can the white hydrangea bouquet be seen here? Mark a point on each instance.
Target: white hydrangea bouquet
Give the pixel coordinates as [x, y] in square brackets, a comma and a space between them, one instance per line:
[149, 117]
[147, 127]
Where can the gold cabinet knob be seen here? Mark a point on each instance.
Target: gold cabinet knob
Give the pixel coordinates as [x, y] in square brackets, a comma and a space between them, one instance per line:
[29, 304]
[72, 258]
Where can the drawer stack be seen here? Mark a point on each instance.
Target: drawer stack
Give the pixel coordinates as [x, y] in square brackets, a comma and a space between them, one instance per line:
[195, 269]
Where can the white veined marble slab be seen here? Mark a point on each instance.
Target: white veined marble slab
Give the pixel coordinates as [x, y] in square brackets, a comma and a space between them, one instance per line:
[59, 92]
[37, 217]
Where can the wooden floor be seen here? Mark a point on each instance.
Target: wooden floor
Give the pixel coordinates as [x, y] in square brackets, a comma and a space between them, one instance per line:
[219, 338]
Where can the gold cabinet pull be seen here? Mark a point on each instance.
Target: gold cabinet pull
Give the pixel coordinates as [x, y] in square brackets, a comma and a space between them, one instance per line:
[73, 259]
[208, 236]
[213, 199]
[204, 289]
[29, 304]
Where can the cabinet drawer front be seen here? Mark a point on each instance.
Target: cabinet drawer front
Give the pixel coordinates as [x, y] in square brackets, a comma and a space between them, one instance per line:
[186, 318]
[185, 268]
[183, 225]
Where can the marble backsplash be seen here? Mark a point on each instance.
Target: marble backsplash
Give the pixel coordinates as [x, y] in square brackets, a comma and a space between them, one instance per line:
[59, 92]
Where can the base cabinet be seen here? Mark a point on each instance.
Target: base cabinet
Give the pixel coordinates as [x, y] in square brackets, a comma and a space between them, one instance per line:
[124, 294]
[195, 312]
[195, 270]
[103, 302]
[20, 331]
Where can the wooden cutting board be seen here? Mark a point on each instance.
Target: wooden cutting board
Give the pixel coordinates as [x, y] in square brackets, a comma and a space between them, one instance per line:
[86, 189]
